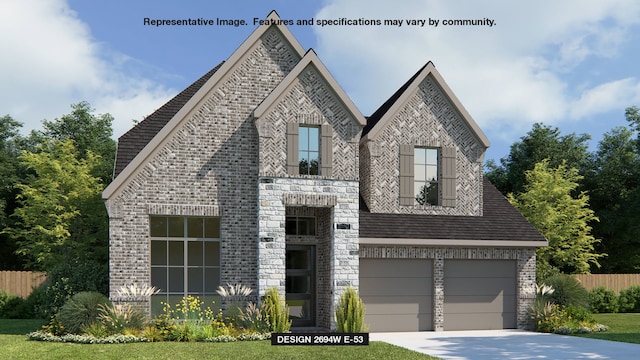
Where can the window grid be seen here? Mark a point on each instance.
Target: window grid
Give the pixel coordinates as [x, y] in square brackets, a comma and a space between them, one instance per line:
[309, 150]
[185, 258]
[426, 176]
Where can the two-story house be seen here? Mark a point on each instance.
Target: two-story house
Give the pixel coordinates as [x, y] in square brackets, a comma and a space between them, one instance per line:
[263, 172]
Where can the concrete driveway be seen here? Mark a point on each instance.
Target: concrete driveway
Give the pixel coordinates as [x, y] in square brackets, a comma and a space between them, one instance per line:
[508, 344]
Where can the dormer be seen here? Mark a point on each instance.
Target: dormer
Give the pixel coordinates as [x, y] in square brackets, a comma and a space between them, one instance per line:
[308, 127]
[421, 152]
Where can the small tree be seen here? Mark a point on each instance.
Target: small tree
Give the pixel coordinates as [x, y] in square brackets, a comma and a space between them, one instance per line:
[350, 313]
[563, 219]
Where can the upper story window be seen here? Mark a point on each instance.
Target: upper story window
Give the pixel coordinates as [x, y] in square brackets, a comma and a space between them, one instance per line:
[427, 176]
[425, 181]
[309, 150]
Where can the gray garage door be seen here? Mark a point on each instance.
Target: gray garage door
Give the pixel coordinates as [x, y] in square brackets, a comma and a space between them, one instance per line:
[397, 294]
[479, 294]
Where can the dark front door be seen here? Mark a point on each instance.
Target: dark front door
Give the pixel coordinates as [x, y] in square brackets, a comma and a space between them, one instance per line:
[300, 284]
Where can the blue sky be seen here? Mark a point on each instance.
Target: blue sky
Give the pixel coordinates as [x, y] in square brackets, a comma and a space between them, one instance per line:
[570, 64]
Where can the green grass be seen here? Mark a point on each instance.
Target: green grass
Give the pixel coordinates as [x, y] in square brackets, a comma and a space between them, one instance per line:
[623, 327]
[15, 345]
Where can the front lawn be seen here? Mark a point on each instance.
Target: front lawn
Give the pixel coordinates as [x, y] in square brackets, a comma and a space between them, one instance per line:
[623, 327]
[15, 345]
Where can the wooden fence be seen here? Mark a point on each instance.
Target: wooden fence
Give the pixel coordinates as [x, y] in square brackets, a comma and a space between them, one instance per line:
[615, 282]
[20, 283]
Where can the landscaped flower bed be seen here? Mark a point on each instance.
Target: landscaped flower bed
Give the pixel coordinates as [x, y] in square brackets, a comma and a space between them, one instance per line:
[94, 320]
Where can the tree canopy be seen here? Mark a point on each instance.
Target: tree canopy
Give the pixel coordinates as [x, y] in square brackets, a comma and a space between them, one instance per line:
[564, 220]
[542, 142]
[610, 176]
[59, 213]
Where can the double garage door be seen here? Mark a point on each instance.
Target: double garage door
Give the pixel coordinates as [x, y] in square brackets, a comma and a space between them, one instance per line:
[398, 294]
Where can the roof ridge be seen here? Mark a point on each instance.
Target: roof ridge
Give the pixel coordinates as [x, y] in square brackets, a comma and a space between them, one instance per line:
[373, 119]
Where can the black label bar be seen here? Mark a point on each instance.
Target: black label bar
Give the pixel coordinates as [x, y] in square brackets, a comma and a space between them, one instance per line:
[320, 339]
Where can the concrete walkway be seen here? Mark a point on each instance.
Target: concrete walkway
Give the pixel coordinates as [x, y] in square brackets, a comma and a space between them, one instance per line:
[508, 344]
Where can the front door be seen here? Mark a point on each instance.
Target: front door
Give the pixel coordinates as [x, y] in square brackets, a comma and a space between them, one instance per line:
[300, 284]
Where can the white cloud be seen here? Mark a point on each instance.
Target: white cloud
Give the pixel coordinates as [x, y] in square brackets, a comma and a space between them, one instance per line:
[520, 71]
[51, 61]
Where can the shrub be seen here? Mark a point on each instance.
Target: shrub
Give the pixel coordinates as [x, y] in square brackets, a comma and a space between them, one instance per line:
[578, 314]
[350, 313]
[70, 278]
[251, 318]
[235, 297]
[603, 300]
[567, 291]
[14, 307]
[118, 318]
[38, 302]
[81, 310]
[546, 316]
[275, 311]
[96, 329]
[630, 299]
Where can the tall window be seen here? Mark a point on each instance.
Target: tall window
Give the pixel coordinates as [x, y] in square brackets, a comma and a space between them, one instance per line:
[426, 176]
[185, 258]
[309, 150]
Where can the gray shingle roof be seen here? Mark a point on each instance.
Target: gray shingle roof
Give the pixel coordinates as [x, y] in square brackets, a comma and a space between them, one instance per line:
[500, 221]
[134, 140]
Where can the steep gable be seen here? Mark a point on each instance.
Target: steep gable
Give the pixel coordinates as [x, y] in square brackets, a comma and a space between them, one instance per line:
[309, 96]
[423, 114]
[384, 113]
[188, 107]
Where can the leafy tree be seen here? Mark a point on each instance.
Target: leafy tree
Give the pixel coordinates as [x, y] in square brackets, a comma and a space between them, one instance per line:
[90, 133]
[614, 186]
[60, 217]
[10, 174]
[563, 219]
[542, 142]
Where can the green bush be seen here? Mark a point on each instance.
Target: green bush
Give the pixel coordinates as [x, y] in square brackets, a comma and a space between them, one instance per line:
[567, 291]
[275, 311]
[630, 299]
[38, 302]
[14, 307]
[579, 314]
[603, 300]
[350, 313]
[70, 278]
[81, 310]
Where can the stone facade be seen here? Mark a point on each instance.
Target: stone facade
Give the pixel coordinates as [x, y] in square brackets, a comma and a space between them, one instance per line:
[333, 202]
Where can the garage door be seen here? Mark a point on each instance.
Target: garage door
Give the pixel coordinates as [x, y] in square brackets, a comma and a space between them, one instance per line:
[479, 294]
[397, 294]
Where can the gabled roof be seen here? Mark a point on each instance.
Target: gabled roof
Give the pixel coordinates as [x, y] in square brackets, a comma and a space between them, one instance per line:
[500, 225]
[134, 140]
[378, 120]
[132, 161]
[309, 59]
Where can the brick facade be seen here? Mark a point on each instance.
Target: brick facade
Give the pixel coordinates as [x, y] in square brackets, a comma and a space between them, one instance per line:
[221, 159]
[209, 166]
[428, 119]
